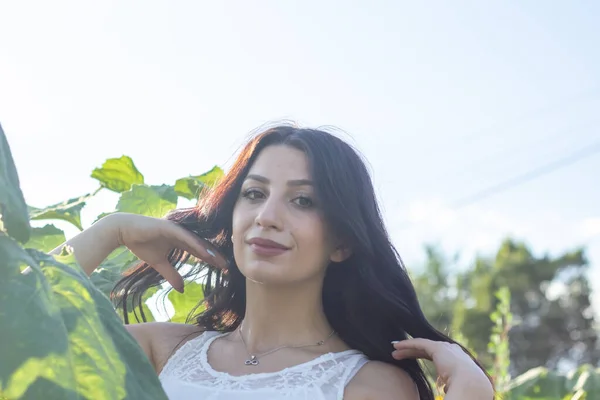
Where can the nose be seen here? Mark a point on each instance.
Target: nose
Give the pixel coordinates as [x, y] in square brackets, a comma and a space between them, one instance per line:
[269, 215]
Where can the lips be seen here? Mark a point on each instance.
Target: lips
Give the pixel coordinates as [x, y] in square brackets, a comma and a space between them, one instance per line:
[266, 247]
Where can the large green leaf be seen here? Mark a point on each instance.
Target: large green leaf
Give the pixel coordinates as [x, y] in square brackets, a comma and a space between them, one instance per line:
[61, 338]
[69, 211]
[189, 187]
[184, 303]
[46, 238]
[118, 174]
[153, 201]
[13, 210]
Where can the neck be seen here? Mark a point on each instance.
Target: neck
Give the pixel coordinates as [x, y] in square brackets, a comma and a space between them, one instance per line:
[283, 316]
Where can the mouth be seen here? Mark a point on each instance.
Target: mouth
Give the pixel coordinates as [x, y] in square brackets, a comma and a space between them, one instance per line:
[266, 247]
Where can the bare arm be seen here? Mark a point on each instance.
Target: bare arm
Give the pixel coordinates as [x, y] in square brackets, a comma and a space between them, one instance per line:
[152, 238]
[149, 239]
[94, 244]
[90, 248]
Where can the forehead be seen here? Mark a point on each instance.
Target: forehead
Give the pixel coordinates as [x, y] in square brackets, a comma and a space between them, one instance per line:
[281, 162]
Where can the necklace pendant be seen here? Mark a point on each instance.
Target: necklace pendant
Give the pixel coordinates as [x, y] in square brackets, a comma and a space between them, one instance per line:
[252, 361]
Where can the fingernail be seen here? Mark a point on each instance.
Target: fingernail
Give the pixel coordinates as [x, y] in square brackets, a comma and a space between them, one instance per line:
[395, 341]
[209, 251]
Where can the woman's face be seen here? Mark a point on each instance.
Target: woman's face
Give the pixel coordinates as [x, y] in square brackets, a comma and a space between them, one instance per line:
[279, 234]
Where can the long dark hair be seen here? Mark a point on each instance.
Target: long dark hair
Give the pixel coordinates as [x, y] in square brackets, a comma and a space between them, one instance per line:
[368, 299]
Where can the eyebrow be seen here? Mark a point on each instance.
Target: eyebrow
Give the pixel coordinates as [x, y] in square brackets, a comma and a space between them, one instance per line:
[294, 182]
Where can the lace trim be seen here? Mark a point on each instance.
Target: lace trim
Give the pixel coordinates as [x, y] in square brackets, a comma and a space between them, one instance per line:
[329, 372]
[219, 374]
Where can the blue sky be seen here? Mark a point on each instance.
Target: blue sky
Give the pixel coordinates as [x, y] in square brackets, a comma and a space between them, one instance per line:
[444, 99]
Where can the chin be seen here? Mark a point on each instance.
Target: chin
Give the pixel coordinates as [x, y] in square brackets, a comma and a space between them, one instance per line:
[270, 273]
[264, 271]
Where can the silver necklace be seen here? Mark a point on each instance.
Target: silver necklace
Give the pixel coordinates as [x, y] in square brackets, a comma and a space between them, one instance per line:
[253, 358]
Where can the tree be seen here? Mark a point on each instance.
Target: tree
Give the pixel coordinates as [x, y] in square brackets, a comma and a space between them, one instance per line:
[550, 302]
[435, 290]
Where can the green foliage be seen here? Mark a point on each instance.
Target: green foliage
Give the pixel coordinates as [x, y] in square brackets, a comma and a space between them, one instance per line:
[500, 309]
[69, 211]
[185, 303]
[135, 314]
[434, 288]
[105, 276]
[499, 345]
[118, 174]
[190, 186]
[13, 210]
[563, 316]
[46, 238]
[61, 337]
[122, 176]
[153, 201]
[541, 384]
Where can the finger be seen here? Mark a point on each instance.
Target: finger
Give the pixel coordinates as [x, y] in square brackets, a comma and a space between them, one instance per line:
[410, 353]
[417, 347]
[171, 275]
[416, 343]
[201, 249]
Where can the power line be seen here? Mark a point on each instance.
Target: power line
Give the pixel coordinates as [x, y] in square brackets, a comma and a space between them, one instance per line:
[528, 176]
[540, 111]
[592, 239]
[501, 126]
[512, 150]
[523, 147]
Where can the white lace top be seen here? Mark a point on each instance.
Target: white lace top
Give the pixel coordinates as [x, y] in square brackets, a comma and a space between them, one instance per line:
[188, 375]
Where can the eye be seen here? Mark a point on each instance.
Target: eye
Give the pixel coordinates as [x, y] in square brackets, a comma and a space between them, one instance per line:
[304, 202]
[252, 194]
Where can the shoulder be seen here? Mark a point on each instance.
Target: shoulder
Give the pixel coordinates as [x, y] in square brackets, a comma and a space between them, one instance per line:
[381, 381]
[160, 340]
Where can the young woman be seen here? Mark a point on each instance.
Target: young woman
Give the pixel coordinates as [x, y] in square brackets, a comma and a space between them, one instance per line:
[305, 296]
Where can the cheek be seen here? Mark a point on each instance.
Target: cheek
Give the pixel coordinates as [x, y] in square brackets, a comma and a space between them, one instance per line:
[311, 239]
[237, 228]
[237, 239]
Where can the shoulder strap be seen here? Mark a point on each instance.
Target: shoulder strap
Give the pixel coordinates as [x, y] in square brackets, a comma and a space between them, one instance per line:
[353, 365]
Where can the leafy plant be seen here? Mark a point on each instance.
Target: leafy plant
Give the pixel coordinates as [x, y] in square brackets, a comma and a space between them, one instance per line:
[582, 383]
[61, 338]
[499, 344]
[120, 175]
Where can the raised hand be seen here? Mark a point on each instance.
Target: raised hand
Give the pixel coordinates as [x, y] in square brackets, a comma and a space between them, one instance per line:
[152, 239]
[460, 376]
